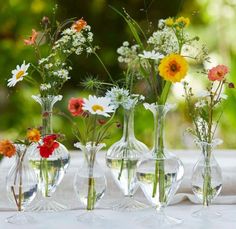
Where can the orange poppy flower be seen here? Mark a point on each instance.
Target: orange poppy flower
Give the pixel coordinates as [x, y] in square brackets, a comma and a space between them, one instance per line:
[33, 135]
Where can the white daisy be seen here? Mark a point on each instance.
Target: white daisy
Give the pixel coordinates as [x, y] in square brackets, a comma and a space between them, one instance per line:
[98, 105]
[18, 74]
[151, 55]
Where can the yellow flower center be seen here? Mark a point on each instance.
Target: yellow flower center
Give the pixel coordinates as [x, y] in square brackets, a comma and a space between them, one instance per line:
[20, 74]
[97, 107]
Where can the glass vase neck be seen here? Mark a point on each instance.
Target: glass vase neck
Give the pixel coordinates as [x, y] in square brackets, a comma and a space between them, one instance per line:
[159, 113]
[128, 126]
[207, 148]
[47, 104]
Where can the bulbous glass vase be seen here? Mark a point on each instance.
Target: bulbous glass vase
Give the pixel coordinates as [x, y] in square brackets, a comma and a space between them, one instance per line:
[207, 179]
[50, 171]
[160, 173]
[90, 181]
[21, 185]
[122, 158]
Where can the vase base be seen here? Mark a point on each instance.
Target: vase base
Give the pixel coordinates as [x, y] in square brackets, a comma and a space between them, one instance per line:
[21, 219]
[92, 218]
[206, 213]
[47, 206]
[159, 220]
[128, 204]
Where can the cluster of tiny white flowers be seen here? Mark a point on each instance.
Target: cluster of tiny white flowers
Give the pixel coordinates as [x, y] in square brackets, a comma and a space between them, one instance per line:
[200, 104]
[128, 54]
[62, 73]
[76, 42]
[164, 41]
[45, 87]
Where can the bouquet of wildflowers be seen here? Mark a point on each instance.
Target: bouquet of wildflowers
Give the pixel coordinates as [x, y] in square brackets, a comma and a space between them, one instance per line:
[203, 109]
[52, 49]
[19, 148]
[160, 59]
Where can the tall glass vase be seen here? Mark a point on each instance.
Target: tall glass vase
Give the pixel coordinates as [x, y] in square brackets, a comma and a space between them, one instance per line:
[207, 179]
[50, 171]
[122, 158]
[161, 173]
[21, 184]
[90, 181]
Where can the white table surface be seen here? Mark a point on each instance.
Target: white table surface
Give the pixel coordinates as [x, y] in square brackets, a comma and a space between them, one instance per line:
[68, 219]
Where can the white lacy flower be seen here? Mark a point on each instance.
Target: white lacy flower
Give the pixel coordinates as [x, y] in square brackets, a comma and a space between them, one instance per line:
[43, 60]
[203, 93]
[63, 73]
[47, 66]
[44, 86]
[118, 96]
[200, 104]
[98, 105]
[151, 55]
[18, 74]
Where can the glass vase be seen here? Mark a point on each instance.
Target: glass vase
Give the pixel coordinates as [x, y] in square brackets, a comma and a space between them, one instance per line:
[50, 171]
[160, 173]
[207, 179]
[122, 158]
[90, 181]
[21, 185]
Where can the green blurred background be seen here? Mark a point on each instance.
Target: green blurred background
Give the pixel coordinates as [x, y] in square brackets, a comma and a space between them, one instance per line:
[213, 20]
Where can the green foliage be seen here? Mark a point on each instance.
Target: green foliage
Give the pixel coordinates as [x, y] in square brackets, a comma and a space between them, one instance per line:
[18, 111]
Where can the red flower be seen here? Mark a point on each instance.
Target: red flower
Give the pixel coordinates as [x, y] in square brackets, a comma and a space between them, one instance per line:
[75, 106]
[218, 72]
[49, 145]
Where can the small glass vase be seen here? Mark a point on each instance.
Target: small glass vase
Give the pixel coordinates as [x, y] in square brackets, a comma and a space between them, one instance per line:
[50, 171]
[207, 179]
[21, 185]
[160, 173]
[90, 182]
[122, 158]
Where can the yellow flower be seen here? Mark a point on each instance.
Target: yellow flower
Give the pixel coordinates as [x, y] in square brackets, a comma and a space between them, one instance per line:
[33, 135]
[169, 21]
[182, 22]
[173, 68]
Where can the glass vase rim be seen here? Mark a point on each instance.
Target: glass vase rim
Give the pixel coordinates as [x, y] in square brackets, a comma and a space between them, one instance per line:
[155, 106]
[20, 147]
[214, 142]
[35, 97]
[89, 145]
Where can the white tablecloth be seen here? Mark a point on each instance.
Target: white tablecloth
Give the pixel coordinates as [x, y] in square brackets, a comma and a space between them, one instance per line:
[184, 208]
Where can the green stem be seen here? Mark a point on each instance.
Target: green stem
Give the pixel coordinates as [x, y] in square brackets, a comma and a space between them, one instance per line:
[207, 177]
[91, 200]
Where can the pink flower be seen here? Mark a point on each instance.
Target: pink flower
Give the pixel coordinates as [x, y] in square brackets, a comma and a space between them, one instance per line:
[218, 72]
[75, 106]
[32, 38]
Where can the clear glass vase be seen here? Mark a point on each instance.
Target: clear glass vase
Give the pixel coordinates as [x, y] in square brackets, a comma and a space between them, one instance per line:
[207, 179]
[50, 171]
[21, 185]
[161, 173]
[90, 181]
[122, 158]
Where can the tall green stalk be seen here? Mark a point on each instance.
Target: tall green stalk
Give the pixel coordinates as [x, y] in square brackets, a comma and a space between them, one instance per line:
[159, 154]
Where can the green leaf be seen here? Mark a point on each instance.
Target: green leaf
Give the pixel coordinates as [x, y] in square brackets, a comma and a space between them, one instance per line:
[165, 92]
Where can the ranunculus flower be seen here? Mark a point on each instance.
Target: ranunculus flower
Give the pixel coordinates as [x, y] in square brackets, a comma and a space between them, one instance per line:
[32, 38]
[7, 148]
[218, 73]
[33, 135]
[75, 106]
[49, 145]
